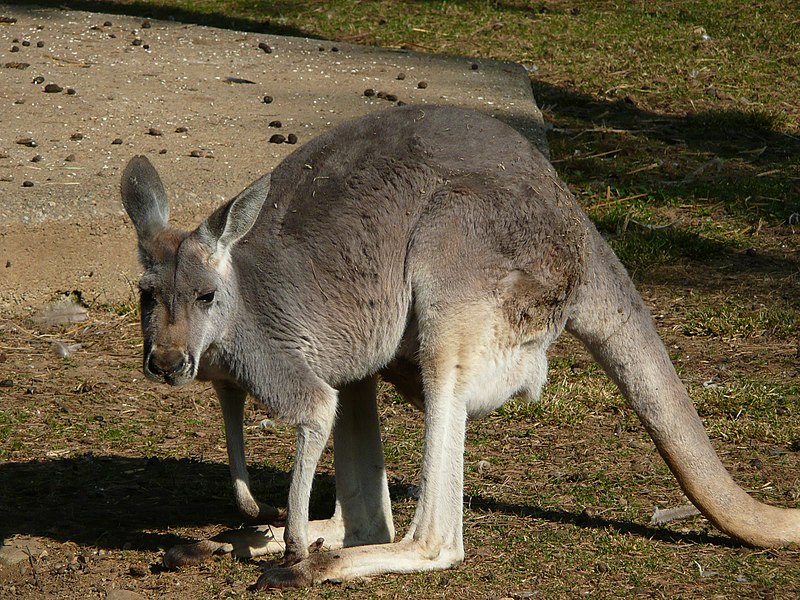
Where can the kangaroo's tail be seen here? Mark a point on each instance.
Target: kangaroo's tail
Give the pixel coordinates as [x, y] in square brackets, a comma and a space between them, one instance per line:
[610, 318]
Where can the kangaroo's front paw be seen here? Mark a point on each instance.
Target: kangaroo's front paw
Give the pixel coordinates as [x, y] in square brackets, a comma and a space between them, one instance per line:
[269, 515]
[295, 576]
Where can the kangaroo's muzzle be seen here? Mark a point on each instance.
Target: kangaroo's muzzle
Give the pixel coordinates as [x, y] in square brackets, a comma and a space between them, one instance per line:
[171, 365]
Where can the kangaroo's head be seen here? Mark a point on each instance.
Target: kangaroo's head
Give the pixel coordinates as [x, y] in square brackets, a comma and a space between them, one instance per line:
[188, 290]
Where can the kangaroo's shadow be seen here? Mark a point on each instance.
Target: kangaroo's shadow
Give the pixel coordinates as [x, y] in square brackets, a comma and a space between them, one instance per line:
[111, 501]
[116, 502]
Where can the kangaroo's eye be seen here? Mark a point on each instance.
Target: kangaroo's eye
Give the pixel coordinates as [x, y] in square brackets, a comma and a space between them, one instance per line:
[207, 297]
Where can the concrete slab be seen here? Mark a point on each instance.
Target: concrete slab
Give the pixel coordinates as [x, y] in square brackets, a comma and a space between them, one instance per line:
[192, 99]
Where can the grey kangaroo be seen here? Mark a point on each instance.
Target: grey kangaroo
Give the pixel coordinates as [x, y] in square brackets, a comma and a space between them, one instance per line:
[434, 247]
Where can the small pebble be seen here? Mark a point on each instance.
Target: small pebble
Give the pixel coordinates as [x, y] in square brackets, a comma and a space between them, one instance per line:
[422, 85]
[400, 103]
[162, 151]
[27, 184]
[275, 124]
[277, 139]
[291, 139]
[401, 76]
[53, 88]
[37, 158]
[71, 158]
[136, 42]
[40, 44]
[7, 383]
[38, 80]
[265, 47]
[196, 154]
[146, 24]
[369, 92]
[117, 141]
[29, 142]
[267, 100]
[154, 131]
[181, 129]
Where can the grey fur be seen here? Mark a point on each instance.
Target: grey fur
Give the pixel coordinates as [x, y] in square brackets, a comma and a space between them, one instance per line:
[434, 246]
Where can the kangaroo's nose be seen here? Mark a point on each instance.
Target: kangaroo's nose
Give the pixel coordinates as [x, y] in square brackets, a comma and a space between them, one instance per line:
[166, 362]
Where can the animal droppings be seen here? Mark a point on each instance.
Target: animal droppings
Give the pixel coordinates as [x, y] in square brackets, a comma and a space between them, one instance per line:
[291, 139]
[29, 142]
[107, 24]
[146, 24]
[277, 139]
[391, 97]
[181, 129]
[474, 66]
[37, 158]
[155, 132]
[38, 80]
[117, 141]
[422, 85]
[27, 184]
[136, 42]
[53, 88]
[265, 47]
[40, 44]
[70, 158]
[369, 92]
[275, 124]
[267, 100]
[16, 65]
[26, 43]
[401, 76]
[76, 136]
[71, 92]
[14, 48]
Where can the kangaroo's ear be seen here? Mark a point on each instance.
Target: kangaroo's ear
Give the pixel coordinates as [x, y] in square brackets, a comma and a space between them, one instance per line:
[144, 199]
[232, 221]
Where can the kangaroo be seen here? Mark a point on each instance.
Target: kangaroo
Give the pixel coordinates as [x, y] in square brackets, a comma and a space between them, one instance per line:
[434, 247]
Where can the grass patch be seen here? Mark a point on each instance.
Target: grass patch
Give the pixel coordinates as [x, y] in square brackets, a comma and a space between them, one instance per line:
[736, 318]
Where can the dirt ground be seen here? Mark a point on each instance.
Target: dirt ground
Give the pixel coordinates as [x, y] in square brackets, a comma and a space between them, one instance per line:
[101, 472]
[202, 103]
